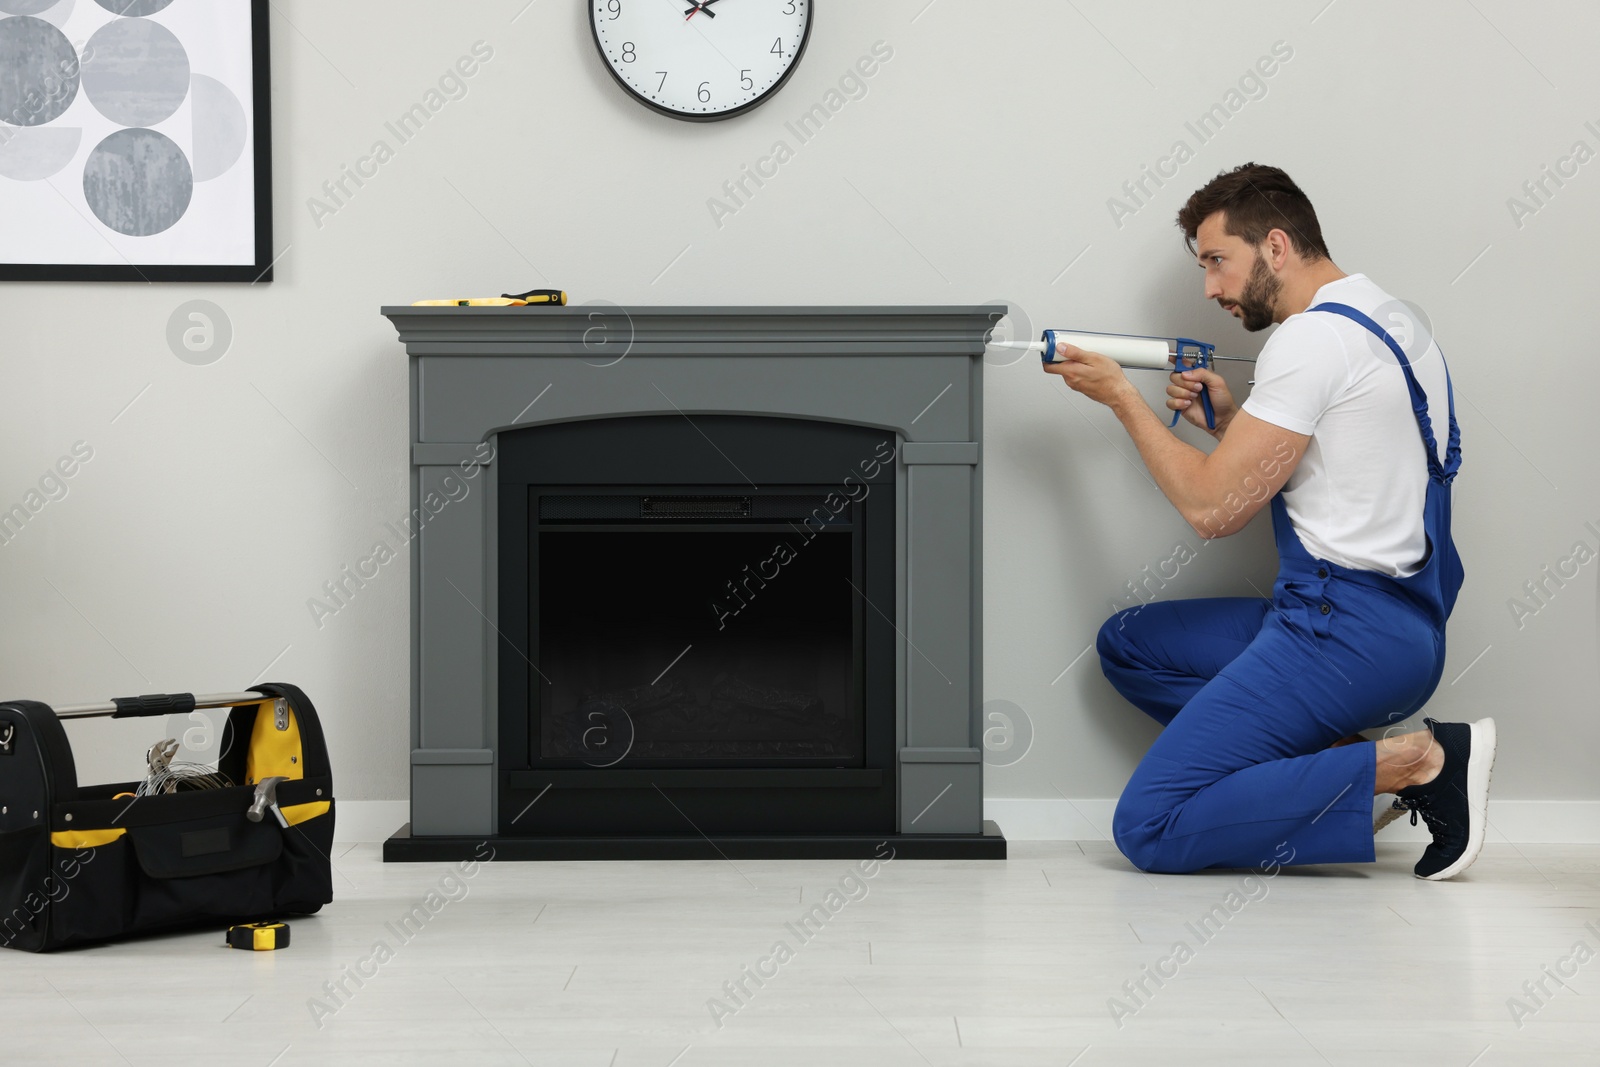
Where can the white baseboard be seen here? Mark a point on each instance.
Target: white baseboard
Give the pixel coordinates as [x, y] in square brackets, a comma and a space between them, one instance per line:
[1054, 819]
[362, 821]
[1519, 821]
[1050, 818]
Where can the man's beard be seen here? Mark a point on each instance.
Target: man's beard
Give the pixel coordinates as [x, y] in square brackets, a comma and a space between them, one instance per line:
[1258, 304]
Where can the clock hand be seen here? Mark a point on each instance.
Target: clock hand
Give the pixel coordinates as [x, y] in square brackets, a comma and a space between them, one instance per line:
[699, 6]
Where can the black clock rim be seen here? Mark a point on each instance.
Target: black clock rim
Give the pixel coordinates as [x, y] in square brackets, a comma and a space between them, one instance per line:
[743, 109]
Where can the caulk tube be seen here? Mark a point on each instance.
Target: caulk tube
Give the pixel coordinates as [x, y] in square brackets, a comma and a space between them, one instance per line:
[1146, 353]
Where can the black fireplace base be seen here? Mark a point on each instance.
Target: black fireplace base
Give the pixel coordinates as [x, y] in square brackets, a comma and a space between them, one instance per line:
[989, 845]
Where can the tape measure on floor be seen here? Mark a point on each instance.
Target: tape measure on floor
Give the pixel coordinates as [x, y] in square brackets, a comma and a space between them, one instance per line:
[259, 937]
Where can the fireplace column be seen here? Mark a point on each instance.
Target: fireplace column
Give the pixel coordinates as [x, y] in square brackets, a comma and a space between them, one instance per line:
[453, 599]
[941, 766]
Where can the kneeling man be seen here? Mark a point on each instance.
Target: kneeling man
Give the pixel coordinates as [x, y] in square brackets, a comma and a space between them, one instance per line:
[1262, 698]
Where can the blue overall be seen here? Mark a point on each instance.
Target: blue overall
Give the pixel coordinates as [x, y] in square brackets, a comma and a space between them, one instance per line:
[1253, 691]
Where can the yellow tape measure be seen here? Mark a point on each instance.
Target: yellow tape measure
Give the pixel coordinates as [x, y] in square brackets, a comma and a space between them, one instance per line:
[259, 937]
[554, 297]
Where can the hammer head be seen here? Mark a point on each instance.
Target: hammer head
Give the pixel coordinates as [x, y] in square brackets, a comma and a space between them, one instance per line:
[266, 797]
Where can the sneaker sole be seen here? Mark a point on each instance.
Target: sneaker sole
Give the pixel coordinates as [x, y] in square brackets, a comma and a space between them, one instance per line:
[1480, 765]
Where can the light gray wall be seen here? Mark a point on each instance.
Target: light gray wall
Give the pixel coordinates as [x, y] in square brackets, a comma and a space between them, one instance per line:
[978, 166]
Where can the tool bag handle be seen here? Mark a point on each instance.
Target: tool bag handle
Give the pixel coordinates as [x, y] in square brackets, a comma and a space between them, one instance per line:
[157, 704]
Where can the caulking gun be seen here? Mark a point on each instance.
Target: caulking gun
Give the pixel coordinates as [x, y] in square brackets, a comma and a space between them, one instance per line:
[1172, 354]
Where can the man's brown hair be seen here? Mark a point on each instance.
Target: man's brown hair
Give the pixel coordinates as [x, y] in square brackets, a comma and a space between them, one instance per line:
[1255, 199]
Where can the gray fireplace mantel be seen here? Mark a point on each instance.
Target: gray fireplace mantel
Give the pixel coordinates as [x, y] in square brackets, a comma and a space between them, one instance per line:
[479, 371]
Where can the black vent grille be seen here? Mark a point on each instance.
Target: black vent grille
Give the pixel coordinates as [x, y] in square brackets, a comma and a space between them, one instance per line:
[595, 507]
[695, 507]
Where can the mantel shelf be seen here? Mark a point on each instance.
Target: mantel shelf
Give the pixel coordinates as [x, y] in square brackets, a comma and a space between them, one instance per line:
[592, 331]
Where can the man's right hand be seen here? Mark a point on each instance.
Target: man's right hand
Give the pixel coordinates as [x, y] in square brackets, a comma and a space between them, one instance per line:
[1183, 394]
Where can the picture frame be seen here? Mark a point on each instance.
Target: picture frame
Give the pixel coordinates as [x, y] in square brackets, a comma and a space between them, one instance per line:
[136, 145]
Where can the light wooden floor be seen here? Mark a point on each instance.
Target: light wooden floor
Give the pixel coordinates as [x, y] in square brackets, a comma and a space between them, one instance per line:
[969, 963]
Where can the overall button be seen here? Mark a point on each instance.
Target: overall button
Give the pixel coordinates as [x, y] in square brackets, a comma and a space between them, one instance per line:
[1326, 609]
[1322, 572]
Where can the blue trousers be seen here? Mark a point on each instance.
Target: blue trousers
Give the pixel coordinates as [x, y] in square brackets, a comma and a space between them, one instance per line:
[1251, 693]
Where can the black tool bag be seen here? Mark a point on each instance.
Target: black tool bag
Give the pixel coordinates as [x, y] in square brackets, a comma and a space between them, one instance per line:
[88, 863]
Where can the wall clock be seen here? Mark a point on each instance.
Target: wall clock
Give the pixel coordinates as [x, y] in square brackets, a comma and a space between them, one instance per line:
[701, 59]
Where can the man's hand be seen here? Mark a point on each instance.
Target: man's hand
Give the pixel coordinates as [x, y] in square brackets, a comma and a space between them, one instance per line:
[1184, 395]
[1097, 377]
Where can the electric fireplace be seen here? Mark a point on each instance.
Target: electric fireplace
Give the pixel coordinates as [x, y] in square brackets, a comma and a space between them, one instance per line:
[696, 582]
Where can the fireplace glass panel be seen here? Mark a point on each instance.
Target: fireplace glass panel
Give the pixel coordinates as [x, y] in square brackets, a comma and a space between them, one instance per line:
[712, 646]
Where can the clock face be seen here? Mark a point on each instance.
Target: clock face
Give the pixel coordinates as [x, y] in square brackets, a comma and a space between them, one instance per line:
[701, 59]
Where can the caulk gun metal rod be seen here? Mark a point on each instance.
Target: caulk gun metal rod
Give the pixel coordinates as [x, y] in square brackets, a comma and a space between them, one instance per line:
[1038, 346]
[213, 700]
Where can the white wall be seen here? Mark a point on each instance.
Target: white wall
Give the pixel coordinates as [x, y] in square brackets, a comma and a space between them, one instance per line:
[977, 167]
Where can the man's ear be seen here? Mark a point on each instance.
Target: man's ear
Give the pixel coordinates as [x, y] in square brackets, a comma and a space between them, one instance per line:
[1279, 246]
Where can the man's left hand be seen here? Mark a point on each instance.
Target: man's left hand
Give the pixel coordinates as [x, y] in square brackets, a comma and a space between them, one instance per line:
[1096, 376]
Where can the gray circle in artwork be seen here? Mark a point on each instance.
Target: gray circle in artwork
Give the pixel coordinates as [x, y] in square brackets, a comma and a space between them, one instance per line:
[133, 8]
[199, 332]
[219, 128]
[137, 73]
[138, 182]
[25, 7]
[38, 72]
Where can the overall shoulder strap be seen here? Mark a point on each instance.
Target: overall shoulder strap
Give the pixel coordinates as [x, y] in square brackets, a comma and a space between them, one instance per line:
[1419, 399]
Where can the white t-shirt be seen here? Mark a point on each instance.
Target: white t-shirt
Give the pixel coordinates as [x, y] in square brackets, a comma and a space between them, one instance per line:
[1356, 498]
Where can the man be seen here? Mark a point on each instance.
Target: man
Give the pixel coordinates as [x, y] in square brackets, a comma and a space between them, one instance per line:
[1262, 699]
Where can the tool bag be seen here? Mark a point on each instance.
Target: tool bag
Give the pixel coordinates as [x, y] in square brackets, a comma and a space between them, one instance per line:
[82, 864]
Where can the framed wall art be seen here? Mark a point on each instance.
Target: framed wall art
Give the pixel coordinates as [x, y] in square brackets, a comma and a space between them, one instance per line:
[135, 141]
